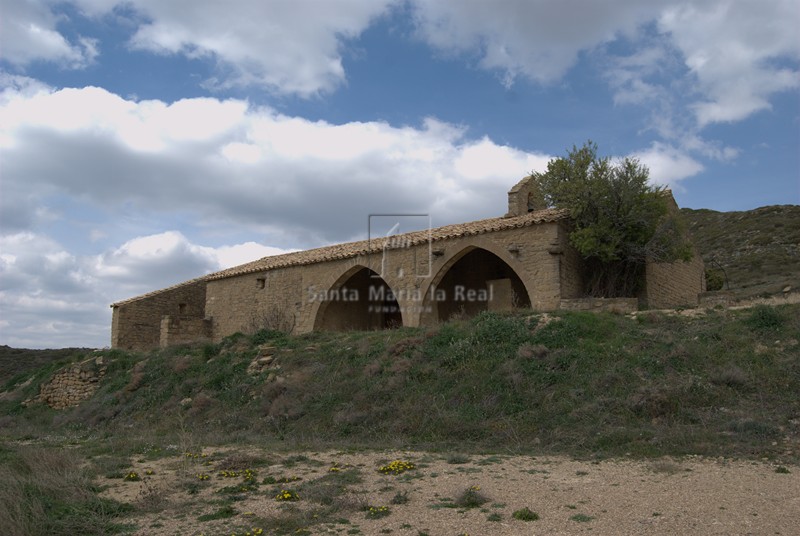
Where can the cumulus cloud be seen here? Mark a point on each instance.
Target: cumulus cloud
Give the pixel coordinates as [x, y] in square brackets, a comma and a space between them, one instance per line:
[537, 40]
[668, 165]
[485, 161]
[737, 53]
[46, 298]
[29, 33]
[285, 47]
[228, 163]
[50, 297]
[740, 52]
[167, 258]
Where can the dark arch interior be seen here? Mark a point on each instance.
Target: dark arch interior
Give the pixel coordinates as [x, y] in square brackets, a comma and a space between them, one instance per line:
[363, 302]
[479, 281]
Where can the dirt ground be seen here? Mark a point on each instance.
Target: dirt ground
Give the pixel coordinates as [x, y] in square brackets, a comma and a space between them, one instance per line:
[616, 497]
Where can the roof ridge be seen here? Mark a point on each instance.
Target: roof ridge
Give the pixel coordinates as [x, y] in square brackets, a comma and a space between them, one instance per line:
[159, 291]
[353, 249]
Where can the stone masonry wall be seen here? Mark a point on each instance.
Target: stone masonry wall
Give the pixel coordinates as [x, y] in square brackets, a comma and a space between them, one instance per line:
[248, 302]
[524, 197]
[571, 265]
[136, 324]
[72, 385]
[183, 329]
[675, 284]
[235, 302]
[611, 305]
[293, 298]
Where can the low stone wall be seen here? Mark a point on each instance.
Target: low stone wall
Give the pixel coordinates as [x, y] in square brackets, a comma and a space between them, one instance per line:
[611, 305]
[716, 298]
[72, 385]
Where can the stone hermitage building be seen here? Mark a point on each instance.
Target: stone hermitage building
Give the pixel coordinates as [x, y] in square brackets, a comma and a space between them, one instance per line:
[520, 260]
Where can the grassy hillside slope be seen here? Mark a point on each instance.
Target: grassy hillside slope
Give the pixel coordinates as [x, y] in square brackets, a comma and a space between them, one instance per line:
[585, 384]
[723, 383]
[719, 383]
[758, 249]
[16, 360]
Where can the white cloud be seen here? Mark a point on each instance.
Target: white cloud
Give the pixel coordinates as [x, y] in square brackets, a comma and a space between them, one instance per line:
[738, 53]
[166, 258]
[52, 298]
[486, 161]
[18, 85]
[633, 78]
[735, 50]
[668, 165]
[28, 30]
[244, 153]
[228, 256]
[537, 40]
[245, 166]
[286, 47]
[142, 126]
[43, 292]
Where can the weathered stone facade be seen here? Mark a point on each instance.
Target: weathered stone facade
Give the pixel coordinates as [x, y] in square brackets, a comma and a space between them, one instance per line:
[136, 323]
[415, 279]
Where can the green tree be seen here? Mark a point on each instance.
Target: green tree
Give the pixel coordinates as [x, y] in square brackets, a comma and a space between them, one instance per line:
[620, 220]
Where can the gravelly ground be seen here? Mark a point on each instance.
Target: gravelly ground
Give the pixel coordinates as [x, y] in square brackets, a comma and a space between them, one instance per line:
[615, 497]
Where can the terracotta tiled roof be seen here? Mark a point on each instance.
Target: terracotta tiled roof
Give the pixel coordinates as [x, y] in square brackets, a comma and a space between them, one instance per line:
[362, 247]
[159, 291]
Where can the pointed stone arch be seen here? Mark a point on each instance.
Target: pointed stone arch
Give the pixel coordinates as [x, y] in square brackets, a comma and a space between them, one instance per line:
[474, 279]
[358, 300]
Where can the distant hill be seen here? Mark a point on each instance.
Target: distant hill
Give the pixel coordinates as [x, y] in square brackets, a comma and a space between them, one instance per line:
[759, 249]
[15, 361]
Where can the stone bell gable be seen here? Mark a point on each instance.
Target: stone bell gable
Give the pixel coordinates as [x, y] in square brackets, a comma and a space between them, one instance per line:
[521, 260]
[524, 197]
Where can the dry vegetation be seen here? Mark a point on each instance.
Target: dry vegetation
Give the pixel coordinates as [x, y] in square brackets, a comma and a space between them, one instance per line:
[758, 250]
[572, 422]
[594, 387]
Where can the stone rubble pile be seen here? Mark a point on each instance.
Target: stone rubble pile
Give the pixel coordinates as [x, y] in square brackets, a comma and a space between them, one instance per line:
[266, 361]
[72, 385]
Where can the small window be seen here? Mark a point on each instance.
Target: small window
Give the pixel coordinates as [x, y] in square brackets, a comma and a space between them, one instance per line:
[182, 308]
[260, 282]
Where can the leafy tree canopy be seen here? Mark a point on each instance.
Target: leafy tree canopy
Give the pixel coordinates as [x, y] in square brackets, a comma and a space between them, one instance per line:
[621, 221]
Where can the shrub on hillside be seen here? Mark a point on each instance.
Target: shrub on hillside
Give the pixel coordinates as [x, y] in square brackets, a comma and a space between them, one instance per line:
[765, 318]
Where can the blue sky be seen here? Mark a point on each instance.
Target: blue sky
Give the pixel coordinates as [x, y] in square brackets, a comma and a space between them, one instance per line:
[147, 142]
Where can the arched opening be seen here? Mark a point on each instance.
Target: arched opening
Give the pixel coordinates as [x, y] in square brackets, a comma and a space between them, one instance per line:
[478, 281]
[362, 301]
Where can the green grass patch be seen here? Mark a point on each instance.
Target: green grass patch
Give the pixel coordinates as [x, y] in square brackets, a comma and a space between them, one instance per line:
[584, 385]
[224, 512]
[525, 514]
